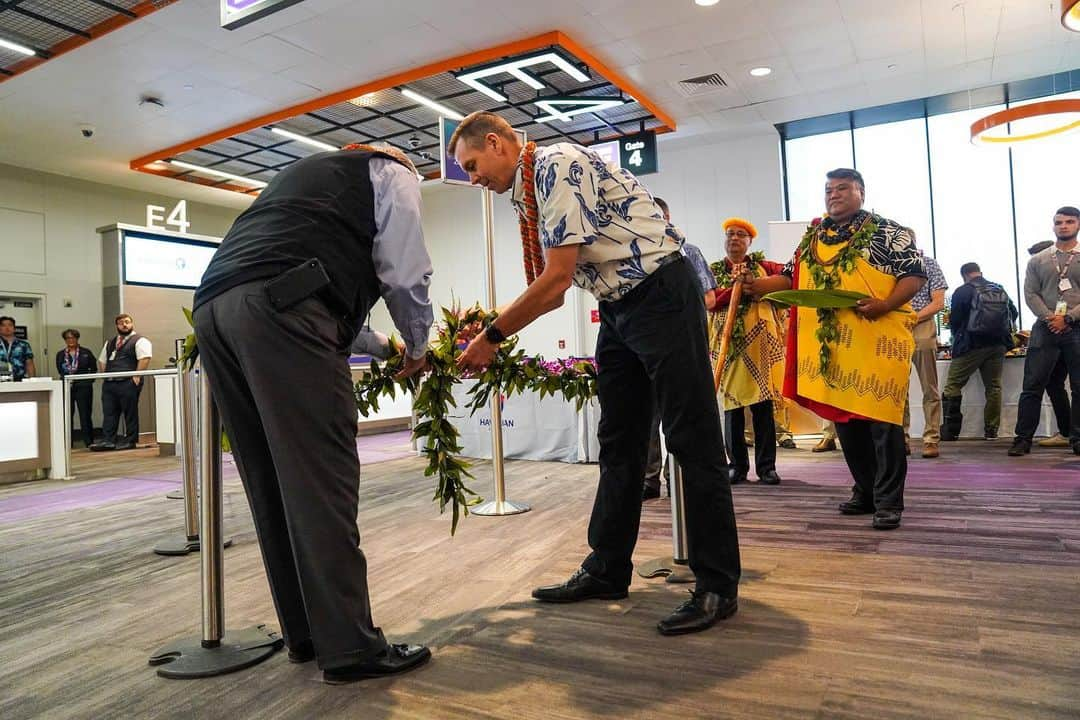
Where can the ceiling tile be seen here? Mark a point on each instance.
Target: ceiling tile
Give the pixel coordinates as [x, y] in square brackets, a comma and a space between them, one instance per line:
[271, 53]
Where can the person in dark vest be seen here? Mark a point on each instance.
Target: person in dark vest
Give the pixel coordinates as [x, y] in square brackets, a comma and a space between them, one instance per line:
[125, 352]
[275, 314]
[74, 359]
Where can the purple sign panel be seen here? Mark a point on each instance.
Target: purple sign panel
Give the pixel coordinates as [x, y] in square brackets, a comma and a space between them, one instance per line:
[236, 13]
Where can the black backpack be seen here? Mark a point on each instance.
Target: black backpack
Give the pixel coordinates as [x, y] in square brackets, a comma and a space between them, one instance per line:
[989, 316]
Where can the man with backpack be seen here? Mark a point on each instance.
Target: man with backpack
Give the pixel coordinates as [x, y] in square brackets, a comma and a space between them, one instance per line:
[981, 321]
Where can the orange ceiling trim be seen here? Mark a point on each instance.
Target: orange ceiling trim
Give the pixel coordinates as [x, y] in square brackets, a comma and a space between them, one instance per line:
[76, 41]
[243, 189]
[474, 58]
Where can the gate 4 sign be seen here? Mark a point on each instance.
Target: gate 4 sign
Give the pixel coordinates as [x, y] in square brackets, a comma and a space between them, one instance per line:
[235, 13]
[637, 153]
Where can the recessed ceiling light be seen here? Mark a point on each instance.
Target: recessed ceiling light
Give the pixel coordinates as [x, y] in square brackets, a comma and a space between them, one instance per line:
[304, 139]
[706, 3]
[760, 71]
[437, 107]
[217, 173]
[16, 47]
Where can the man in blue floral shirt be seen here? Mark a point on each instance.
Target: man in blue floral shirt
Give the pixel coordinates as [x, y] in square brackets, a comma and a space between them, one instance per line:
[16, 356]
[602, 231]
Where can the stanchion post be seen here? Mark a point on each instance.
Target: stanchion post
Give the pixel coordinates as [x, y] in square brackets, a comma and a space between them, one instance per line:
[67, 425]
[676, 568]
[178, 494]
[217, 651]
[500, 505]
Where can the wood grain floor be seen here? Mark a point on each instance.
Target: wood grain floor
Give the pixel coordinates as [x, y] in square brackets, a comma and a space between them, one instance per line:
[971, 610]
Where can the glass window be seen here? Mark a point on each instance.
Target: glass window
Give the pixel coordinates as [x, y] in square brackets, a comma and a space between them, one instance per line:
[972, 202]
[1044, 179]
[892, 160]
[808, 159]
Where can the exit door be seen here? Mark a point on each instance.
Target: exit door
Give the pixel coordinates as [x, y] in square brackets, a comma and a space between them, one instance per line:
[29, 326]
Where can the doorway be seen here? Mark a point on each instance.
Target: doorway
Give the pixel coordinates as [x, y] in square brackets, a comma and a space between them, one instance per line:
[28, 311]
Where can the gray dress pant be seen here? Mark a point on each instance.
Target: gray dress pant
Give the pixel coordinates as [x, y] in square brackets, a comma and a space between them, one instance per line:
[281, 381]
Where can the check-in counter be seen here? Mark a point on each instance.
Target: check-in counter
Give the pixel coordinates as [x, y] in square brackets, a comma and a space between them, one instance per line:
[32, 439]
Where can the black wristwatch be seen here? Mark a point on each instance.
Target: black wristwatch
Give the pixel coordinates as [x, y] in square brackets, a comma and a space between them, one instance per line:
[494, 335]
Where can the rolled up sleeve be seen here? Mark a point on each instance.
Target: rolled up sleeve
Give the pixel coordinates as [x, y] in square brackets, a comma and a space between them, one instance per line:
[401, 259]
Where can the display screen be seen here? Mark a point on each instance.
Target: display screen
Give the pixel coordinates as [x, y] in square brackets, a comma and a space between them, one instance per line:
[165, 262]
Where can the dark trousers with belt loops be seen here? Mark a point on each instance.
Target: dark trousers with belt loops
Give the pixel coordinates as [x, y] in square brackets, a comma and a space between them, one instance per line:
[281, 381]
[653, 343]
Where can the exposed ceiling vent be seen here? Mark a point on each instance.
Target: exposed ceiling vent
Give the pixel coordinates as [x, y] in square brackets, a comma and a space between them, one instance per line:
[701, 85]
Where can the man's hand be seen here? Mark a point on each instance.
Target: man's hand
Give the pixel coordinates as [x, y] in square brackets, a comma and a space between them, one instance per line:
[871, 308]
[416, 366]
[710, 300]
[1057, 324]
[137, 379]
[478, 355]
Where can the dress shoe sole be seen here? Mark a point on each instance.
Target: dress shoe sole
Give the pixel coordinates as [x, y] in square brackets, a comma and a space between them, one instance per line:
[1019, 452]
[300, 658]
[857, 511]
[886, 526]
[728, 612]
[353, 676]
[621, 595]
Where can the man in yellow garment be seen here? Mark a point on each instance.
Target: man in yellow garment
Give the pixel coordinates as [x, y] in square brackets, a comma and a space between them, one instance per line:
[851, 365]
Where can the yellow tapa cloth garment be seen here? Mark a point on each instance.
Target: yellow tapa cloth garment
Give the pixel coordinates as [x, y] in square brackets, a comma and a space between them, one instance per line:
[755, 368]
[871, 362]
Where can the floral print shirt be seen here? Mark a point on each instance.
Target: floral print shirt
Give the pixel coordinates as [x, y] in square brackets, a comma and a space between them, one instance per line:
[582, 201]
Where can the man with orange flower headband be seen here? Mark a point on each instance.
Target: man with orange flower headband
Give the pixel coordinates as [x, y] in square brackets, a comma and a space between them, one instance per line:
[593, 225]
[754, 366]
[851, 364]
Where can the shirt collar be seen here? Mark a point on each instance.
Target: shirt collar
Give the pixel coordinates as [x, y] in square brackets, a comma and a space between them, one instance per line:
[517, 190]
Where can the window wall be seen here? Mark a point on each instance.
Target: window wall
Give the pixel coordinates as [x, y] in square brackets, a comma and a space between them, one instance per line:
[965, 202]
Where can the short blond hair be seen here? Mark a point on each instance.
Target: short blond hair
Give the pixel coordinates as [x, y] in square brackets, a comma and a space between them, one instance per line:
[475, 127]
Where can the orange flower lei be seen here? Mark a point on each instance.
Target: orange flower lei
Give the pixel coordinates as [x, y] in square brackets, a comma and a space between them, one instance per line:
[528, 221]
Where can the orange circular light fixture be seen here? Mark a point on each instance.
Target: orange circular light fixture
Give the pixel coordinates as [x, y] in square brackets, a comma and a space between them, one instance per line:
[980, 129]
[1070, 14]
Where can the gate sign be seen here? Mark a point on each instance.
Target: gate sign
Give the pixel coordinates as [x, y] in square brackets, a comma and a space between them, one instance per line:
[637, 153]
[235, 13]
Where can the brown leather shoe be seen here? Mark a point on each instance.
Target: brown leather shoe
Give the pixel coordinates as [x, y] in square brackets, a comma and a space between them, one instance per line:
[826, 445]
[930, 450]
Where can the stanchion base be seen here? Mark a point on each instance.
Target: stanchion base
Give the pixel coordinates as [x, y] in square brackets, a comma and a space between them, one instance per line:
[239, 649]
[494, 507]
[676, 571]
[175, 494]
[182, 545]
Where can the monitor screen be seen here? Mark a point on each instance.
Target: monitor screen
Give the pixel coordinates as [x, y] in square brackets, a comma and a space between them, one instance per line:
[165, 262]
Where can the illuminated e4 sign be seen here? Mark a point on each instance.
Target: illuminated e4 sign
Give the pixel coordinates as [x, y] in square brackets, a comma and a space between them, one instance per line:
[637, 153]
[235, 13]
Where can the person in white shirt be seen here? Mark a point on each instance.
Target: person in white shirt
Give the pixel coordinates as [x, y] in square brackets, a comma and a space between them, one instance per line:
[125, 352]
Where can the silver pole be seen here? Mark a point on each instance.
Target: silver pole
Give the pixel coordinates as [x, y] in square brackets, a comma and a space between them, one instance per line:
[680, 555]
[500, 505]
[67, 426]
[189, 458]
[213, 605]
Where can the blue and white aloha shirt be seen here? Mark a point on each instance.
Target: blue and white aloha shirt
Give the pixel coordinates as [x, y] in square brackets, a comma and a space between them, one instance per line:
[583, 201]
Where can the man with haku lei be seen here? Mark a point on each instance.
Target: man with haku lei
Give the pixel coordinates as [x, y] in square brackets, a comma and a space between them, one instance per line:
[754, 366]
[850, 365]
[602, 231]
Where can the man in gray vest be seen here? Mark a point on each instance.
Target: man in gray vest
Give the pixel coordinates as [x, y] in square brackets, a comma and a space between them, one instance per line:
[277, 309]
[125, 352]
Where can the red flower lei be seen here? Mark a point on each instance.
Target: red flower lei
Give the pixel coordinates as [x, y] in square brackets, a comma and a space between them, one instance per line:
[528, 221]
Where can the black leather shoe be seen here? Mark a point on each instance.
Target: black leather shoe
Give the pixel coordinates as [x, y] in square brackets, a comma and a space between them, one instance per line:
[855, 507]
[788, 444]
[886, 519]
[649, 492]
[769, 478]
[700, 612]
[1076, 448]
[737, 476]
[391, 661]
[302, 653]
[125, 446]
[990, 433]
[580, 586]
[1020, 446]
[102, 446]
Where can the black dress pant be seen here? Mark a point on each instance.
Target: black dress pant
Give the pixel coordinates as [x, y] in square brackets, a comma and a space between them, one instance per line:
[1045, 350]
[120, 397]
[1059, 399]
[653, 344]
[82, 399]
[876, 455]
[761, 415]
[281, 381]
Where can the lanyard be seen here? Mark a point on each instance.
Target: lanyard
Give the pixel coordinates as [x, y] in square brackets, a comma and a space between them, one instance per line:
[9, 349]
[1062, 271]
[72, 362]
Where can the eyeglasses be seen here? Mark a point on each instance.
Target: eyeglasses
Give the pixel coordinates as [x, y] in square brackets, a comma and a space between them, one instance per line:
[738, 234]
